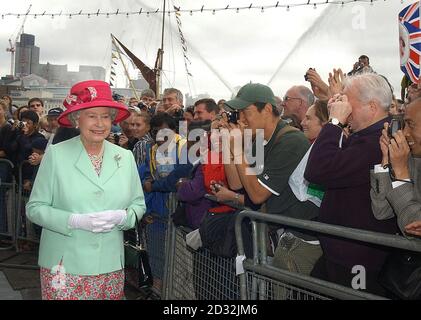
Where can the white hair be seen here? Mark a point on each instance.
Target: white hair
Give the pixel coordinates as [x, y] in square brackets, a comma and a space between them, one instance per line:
[306, 94]
[371, 87]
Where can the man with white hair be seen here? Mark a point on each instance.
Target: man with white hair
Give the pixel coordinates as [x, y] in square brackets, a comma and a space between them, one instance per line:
[296, 102]
[343, 169]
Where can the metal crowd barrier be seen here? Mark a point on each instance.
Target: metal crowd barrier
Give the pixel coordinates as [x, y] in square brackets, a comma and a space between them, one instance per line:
[155, 232]
[7, 204]
[259, 279]
[155, 235]
[197, 275]
[25, 231]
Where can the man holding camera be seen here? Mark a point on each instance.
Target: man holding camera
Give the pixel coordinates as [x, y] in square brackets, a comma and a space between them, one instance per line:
[147, 101]
[343, 169]
[173, 102]
[284, 147]
[396, 182]
[361, 66]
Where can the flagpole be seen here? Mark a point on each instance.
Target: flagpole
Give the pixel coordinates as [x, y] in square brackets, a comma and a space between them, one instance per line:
[161, 55]
[125, 68]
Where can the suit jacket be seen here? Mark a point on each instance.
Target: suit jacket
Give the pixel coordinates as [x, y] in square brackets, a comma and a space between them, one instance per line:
[67, 183]
[403, 201]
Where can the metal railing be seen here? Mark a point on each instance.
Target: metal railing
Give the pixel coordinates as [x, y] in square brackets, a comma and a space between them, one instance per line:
[25, 229]
[259, 275]
[7, 203]
[197, 274]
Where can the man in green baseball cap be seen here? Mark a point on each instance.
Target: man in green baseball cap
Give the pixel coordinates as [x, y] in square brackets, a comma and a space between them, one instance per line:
[257, 106]
[251, 93]
[284, 147]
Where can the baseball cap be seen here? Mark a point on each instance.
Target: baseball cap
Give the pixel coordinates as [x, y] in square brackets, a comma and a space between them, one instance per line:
[251, 93]
[54, 112]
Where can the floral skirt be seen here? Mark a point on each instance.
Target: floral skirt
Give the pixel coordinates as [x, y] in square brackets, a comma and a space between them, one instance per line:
[62, 286]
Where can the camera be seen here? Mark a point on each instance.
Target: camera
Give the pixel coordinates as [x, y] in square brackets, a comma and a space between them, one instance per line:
[306, 76]
[142, 106]
[203, 125]
[117, 96]
[397, 123]
[19, 124]
[217, 187]
[117, 137]
[233, 116]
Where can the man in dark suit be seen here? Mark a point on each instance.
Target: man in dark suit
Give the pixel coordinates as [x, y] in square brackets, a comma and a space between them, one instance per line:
[398, 192]
[342, 166]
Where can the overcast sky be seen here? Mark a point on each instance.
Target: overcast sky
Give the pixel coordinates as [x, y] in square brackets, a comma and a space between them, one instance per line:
[239, 47]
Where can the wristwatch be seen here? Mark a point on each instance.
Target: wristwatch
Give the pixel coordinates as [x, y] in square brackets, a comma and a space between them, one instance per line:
[237, 198]
[336, 122]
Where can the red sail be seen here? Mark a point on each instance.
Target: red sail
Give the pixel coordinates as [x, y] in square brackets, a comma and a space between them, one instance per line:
[147, 73]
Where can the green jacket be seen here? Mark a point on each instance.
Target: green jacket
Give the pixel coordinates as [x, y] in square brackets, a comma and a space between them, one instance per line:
[67, 183]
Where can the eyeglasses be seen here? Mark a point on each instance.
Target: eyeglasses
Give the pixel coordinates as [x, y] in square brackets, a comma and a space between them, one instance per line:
[286, 98]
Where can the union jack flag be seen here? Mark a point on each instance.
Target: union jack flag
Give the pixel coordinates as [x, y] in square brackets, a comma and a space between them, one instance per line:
[410, 41]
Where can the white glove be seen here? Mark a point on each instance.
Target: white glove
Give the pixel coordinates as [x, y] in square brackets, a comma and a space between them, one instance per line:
[102, 221]
[88, 222]
[112, 217]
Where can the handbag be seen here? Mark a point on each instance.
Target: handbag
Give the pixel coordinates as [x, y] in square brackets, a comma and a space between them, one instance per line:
[179, 215]
[217, 233]
[138, 271]
[401, 275]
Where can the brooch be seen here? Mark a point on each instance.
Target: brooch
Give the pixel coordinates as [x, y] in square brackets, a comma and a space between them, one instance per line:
[117, 158]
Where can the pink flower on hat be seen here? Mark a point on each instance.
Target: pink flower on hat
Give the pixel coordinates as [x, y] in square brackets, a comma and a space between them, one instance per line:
[86, 95]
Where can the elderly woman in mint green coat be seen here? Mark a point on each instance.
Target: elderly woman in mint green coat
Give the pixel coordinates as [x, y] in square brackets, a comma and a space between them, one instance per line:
[86, 193]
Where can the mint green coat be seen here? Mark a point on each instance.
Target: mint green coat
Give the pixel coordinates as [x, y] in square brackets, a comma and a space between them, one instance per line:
[67, 183]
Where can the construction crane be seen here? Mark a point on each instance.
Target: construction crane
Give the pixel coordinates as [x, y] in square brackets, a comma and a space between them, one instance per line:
[12, 45]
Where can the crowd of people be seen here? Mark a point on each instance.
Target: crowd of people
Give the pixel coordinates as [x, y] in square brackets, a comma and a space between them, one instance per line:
[345, 151]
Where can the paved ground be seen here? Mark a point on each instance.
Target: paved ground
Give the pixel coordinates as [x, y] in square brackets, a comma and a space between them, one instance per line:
[6, 291]
[24, 284]
[17, 283]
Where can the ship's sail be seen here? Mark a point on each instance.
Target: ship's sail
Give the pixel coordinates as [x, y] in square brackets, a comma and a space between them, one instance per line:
[150, 75]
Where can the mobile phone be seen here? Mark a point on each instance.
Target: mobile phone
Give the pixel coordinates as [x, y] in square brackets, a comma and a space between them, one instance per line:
[396, 124]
